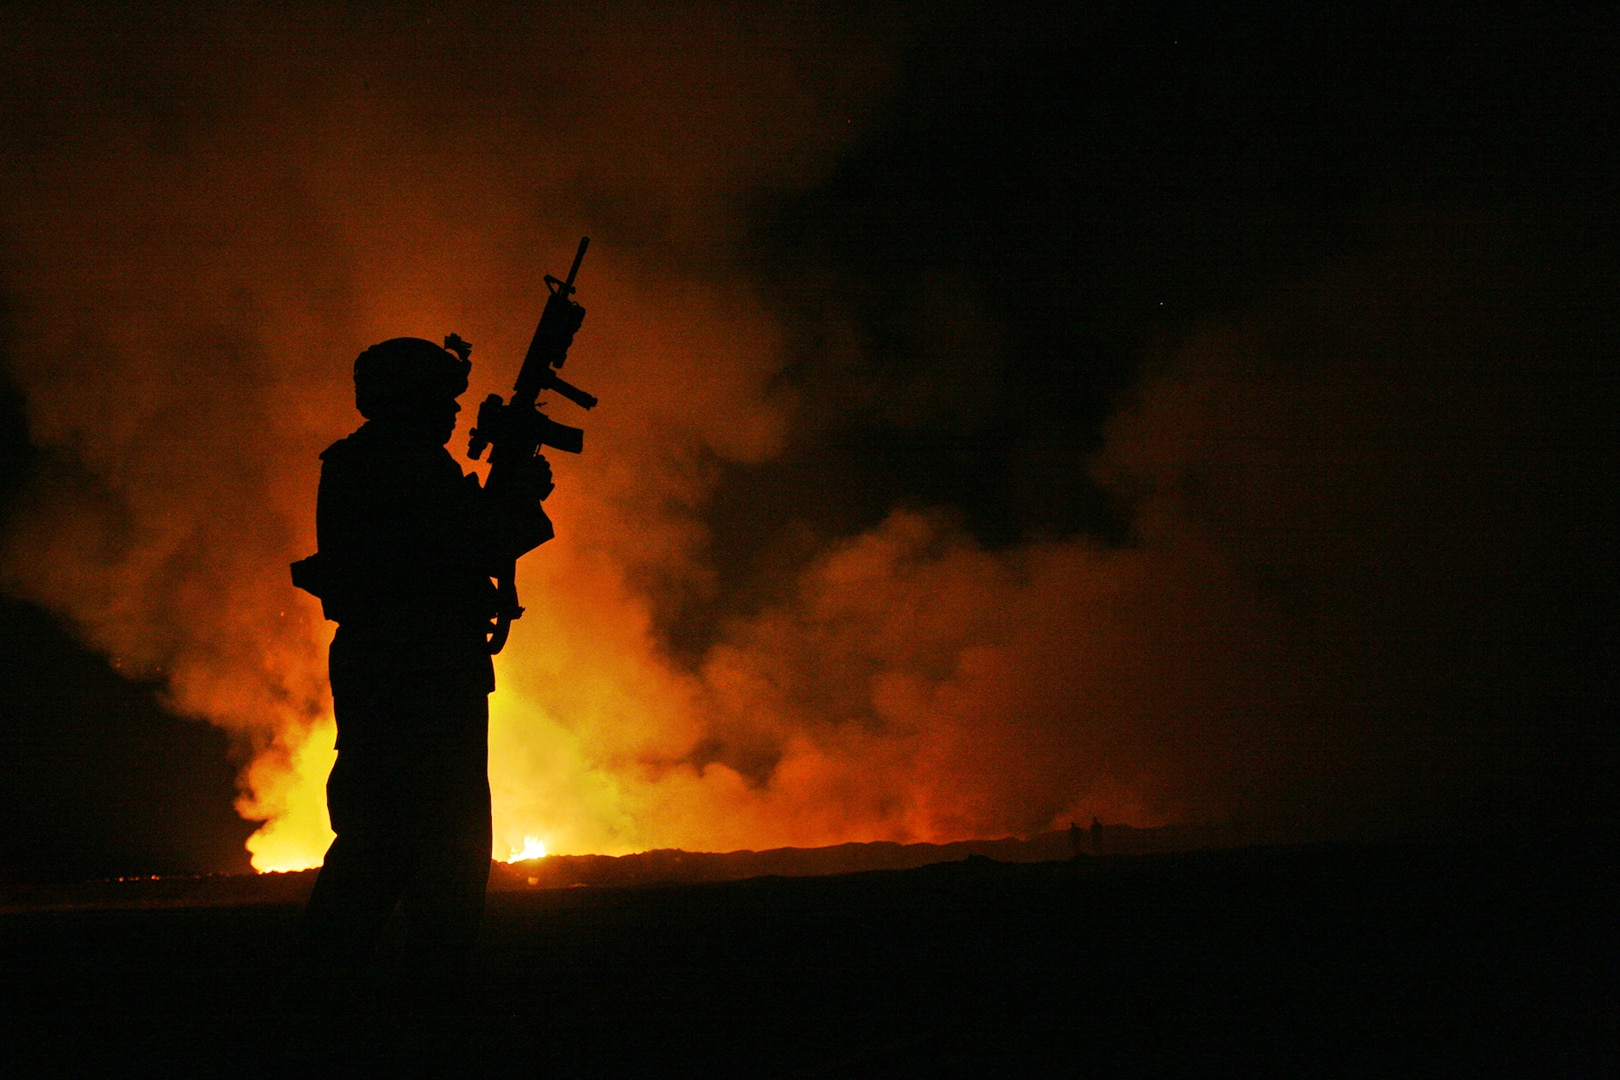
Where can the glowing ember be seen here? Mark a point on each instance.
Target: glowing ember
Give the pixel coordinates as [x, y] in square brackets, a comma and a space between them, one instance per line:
[533, 848]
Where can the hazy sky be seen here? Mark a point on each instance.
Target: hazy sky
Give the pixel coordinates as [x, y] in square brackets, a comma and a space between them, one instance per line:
[1008, 416]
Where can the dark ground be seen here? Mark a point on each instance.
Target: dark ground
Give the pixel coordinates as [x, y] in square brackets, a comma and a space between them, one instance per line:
[1305, 961]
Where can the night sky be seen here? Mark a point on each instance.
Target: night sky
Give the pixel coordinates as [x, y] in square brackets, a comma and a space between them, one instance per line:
[1010, 414]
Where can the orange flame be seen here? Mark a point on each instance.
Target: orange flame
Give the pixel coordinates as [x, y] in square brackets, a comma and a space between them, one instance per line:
[193, 282]
[533, 848]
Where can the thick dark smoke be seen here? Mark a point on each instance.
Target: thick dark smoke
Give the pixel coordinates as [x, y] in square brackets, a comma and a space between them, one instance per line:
[1349, 276]
[218, 208]
[998, 429]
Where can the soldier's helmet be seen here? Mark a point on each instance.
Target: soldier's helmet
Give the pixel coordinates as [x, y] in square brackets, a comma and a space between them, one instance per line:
[405, 371]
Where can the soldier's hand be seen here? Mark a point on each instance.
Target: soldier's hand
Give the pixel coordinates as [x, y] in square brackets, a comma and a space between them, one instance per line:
[539, 478]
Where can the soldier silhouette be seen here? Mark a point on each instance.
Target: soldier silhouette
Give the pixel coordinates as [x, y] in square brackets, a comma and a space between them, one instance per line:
[407, 547]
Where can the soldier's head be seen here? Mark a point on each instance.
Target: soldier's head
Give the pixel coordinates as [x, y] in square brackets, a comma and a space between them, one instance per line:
[411, 383]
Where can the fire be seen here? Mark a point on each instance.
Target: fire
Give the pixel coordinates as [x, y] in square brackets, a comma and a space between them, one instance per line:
[906, 685]
[533, 848]
[287, 791]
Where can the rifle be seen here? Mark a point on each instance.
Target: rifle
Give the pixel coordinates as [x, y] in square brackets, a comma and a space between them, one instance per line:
[515, 430]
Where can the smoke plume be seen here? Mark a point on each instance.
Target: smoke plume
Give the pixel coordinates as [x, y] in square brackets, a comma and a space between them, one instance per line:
[215, 214]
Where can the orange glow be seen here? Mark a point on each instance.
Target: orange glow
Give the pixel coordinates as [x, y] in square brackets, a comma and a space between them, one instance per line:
[287, 791]
[914, 687]
[533, 848]
[192, 302]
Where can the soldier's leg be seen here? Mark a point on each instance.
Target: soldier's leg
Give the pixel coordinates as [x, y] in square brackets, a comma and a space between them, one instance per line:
[444, 898]
[444, 909]
[366, 867]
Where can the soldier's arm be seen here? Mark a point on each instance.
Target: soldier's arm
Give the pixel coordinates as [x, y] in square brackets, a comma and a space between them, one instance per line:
[516, 520]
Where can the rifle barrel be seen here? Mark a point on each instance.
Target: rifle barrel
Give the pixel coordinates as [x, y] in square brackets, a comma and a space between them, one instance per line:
[579, 257]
